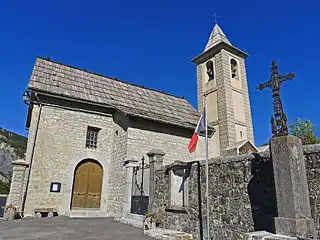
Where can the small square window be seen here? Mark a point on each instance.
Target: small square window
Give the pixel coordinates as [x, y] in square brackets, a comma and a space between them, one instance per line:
[178, 197]
[92, 137]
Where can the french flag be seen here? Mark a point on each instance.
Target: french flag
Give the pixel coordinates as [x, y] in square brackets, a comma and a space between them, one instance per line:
[200, 130]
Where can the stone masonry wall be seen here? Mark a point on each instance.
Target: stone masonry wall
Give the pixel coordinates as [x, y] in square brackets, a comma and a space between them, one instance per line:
[225, 103]
[60, 147]
[141, 140]
[242, 196]
[60, 142]
[246, 100]
[117, 176]
[199, 87]
[312, 156]
[15, 197]
[230, 210]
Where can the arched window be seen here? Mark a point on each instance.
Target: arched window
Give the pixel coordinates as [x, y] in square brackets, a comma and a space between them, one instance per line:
[234, 69]
[210, 71]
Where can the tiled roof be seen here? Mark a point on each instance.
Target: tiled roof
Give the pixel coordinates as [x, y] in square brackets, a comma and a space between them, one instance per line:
[62, 80]
[217, 36]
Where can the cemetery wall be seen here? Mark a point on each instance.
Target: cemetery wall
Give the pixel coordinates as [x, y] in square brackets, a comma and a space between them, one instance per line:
[242, 195]
[312, 156]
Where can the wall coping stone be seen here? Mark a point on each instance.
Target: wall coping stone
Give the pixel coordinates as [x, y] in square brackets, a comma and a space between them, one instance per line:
[311, 148]
[156, 152]
[177, 164]
[263, 235]
[20, 162]
[130, 162]
[237, 158]
[264, 156]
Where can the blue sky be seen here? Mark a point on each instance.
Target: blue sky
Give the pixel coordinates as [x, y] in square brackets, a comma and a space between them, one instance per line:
[152, 43]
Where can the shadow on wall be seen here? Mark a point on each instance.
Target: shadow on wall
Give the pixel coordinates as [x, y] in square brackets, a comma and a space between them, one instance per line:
[262, 194]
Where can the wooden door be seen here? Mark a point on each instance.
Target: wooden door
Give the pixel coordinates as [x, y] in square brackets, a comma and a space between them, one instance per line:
[87, 186]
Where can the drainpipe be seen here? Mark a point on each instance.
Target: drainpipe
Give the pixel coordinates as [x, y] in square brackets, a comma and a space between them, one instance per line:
[32, 153]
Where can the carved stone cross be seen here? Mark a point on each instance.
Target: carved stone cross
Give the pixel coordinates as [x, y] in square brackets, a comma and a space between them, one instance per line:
[279, 119]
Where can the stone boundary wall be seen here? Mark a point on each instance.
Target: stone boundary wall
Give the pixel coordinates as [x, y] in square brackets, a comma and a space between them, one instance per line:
[242, 195]
[312, 156]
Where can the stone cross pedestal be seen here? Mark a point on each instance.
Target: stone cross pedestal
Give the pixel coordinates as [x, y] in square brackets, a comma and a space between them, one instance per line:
[15, 197]
[156, 162]
[294, 214]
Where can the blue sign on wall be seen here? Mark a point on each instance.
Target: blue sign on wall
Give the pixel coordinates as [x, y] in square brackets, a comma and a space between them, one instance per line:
[55, 187]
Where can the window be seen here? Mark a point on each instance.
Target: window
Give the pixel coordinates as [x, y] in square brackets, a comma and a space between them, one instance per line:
[234, 69]
[92, 137]
[178, 184]
[240, 134]
[210, 72]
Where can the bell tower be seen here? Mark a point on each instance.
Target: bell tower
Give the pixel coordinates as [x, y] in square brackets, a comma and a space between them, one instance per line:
[221, 76]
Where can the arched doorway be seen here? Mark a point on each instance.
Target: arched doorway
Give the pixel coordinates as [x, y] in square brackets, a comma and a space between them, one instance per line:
[87, 184]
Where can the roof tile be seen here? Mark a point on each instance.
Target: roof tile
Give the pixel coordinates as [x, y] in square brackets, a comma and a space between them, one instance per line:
[59, 79]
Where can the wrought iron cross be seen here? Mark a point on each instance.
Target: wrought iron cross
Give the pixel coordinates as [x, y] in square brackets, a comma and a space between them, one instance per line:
[279, 119]
[141, 166]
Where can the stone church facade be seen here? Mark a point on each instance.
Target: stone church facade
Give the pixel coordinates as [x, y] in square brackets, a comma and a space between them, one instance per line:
[63, 131]
[86, 131]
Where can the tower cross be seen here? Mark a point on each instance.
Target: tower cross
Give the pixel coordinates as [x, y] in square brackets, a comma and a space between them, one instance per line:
[215, 18]
[279, 119]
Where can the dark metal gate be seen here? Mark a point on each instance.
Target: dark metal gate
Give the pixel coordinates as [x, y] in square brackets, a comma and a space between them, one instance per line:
[3, 199]
[139, 202]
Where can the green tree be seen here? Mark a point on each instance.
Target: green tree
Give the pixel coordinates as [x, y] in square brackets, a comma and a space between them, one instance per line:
[4, 187]
[305, 131]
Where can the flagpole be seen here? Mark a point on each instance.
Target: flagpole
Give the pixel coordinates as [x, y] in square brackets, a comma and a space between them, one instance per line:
[207, 168]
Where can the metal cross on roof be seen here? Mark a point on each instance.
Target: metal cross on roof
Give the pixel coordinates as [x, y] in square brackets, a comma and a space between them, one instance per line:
[279, 119]
[215, 18]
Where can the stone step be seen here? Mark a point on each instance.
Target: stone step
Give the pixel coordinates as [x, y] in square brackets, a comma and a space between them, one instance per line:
[128, 221]
[131, 219]
[166, 234]
[134, 217]
[263, 235]
[87, 213]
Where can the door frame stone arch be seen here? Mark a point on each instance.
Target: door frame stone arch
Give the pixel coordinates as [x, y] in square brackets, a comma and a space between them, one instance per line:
[85, 163]
[75, 161]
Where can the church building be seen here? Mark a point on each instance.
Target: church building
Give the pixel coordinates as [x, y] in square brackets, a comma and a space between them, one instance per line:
[86, 130]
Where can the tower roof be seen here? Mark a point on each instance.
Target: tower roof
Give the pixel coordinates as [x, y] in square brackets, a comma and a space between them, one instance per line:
[216, 42]
[216, 37]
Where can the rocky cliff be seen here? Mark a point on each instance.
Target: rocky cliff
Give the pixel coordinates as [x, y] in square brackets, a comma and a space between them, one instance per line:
[12, 147]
